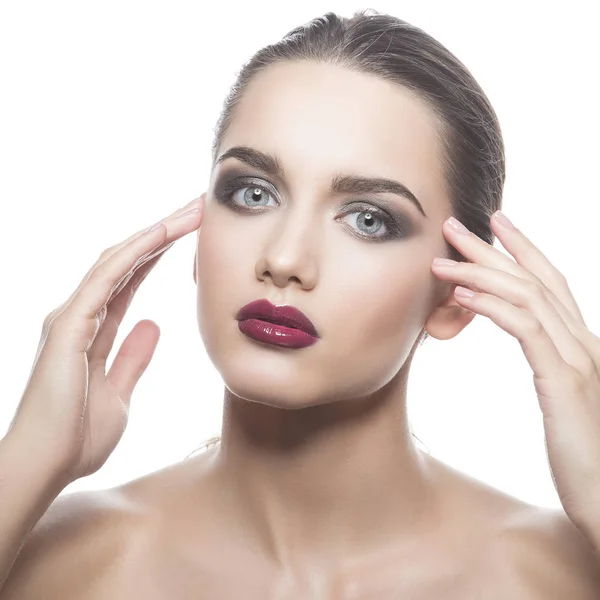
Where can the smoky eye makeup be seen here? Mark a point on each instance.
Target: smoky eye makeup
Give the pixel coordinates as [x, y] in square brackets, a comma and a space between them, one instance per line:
[397, 223]
[232, 180]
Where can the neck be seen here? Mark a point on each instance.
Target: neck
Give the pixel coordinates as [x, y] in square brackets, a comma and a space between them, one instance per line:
[328, 481]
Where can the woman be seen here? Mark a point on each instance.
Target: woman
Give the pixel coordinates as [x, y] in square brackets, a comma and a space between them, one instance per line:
[339, 157]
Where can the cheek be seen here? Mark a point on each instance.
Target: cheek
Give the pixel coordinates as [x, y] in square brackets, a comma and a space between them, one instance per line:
[373, 319]
[219, 249]
[210, 250]
[383, 299]
[215, 260]
[212, 245]
[223, 271]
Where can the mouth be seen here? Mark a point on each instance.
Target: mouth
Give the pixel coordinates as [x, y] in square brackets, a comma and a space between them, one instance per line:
[287, 316]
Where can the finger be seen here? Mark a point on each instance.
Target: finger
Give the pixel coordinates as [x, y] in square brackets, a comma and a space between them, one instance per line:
[111, 251]
[174, 215]
[531, 258]
[132, 359]
[142, 262]
[523, 294]
[118, 303]
[82, 313]
[116, 309]
[474, 249]
[540, 351]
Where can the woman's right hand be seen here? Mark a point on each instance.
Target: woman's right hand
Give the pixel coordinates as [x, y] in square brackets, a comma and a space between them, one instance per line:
[72, 413]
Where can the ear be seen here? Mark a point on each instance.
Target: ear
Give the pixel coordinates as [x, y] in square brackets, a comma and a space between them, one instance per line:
[448, 318]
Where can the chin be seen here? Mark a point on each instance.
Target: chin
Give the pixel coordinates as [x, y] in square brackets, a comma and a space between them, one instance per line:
[262, 373]
[269, 386]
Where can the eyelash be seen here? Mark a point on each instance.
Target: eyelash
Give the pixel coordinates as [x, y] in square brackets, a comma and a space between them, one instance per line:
[395, 229]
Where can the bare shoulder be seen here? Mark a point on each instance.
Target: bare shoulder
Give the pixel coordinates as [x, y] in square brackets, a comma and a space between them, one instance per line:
[80, 536]
[90, 544]
[514, 549]
[543, 555]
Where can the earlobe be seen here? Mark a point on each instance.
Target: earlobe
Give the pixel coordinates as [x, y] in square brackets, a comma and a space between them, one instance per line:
[448, 319]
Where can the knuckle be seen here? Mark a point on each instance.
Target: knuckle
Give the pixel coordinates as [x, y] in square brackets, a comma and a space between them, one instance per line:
[101, 271]
[105, 254]
[56, 321]
[534, 293]
[469, 275]
[558, 277]
[48, 320]
[51, 319]
[533, 327]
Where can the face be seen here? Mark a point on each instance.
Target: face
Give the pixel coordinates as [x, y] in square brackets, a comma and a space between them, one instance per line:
[364, 281]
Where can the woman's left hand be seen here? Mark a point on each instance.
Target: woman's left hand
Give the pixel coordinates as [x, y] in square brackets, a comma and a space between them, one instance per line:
[530, 299]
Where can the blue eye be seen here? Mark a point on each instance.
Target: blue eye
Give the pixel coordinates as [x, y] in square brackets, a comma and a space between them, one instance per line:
[254, 196]
[370, 220]
[373, 220]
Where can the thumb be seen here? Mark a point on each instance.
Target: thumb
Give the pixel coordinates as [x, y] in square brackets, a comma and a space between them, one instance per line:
[133, 358]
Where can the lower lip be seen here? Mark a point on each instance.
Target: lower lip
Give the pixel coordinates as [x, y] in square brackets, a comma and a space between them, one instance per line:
[271, 333]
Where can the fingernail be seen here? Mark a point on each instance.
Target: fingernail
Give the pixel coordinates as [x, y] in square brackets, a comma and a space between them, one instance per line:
[457, 226]
[503, 220]
[444, 262]
[193, 210]
[464, 292]
[193, 207]
[194, 202]
[154, 227]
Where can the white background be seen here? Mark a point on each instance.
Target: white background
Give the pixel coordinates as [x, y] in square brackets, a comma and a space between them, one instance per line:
[106, 119]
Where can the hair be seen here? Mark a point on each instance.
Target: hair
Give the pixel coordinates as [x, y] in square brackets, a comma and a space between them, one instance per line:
[380, 44]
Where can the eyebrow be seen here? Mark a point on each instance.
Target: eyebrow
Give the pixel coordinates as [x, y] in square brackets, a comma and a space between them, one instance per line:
[341, 183]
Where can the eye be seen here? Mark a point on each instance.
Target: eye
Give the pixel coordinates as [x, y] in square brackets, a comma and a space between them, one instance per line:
[253, 195]
[372, 224]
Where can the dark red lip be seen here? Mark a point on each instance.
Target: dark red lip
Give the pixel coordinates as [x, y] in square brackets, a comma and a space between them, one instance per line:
[281, 315]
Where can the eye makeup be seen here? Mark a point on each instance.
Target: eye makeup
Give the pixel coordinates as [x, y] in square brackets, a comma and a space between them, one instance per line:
[397, 223]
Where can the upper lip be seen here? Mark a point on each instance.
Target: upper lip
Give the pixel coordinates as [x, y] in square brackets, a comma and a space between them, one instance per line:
[282, 315]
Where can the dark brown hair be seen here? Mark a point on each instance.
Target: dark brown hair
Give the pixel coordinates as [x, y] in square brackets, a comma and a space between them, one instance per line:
[380, 44]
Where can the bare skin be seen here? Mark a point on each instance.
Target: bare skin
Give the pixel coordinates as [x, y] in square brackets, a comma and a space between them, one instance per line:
[172, 534]
[317, 490]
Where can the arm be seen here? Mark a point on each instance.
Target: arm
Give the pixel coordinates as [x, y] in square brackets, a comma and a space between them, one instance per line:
[27, 488]
[70, 550]
[72, 414]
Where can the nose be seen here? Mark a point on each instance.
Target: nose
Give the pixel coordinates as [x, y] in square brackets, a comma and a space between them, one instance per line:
[290, 253]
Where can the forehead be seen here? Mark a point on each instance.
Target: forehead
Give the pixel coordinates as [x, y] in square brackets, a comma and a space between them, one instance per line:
[319, 118]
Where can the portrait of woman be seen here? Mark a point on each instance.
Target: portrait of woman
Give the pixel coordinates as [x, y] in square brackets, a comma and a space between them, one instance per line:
[352, 214]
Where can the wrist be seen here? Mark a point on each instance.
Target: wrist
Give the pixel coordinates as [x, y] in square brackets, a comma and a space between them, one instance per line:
[22, 464]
